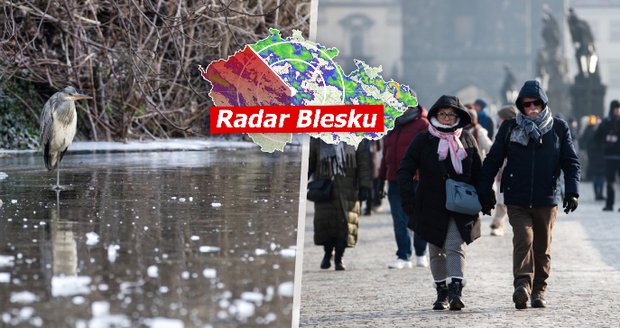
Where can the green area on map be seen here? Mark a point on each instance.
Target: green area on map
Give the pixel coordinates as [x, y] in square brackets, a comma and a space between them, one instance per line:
[310, 69]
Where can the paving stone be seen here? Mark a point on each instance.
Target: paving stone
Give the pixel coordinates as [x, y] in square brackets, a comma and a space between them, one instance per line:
[583, 291]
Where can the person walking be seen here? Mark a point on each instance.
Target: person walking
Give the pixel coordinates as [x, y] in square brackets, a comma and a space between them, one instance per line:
[596, 161]
[368, 146]
[336, 221]
[499, 214]
[536, 147]
[483, 117]
[377, 194]
[608, 133]
[480, 134]
[395, 143]
[445, 150]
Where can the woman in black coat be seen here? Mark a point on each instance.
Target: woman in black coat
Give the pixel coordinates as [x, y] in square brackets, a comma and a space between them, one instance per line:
[336, 221]
[445, 150]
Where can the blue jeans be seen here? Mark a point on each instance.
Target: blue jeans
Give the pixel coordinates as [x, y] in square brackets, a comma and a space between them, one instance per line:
[598, 182]
[401, 231]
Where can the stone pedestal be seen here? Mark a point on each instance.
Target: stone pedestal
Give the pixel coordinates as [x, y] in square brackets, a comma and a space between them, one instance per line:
[588, 94]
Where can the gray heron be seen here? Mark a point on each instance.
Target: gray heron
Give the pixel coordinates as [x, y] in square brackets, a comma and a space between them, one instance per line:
[58, 126]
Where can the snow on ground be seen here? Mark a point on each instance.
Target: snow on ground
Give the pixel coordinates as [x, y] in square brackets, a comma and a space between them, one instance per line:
[150, 145]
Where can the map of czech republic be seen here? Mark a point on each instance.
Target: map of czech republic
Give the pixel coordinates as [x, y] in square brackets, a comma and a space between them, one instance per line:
[296, 72]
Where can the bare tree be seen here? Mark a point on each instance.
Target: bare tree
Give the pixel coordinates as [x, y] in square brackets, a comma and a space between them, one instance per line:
[138, 59]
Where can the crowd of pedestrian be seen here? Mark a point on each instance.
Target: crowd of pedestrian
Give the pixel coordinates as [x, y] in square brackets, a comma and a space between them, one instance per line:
[522, 161]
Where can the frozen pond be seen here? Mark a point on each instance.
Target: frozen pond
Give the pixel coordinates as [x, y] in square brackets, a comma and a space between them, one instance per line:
[151, 239]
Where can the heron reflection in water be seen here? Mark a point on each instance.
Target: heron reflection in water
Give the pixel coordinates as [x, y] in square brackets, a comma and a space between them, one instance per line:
[58, 127]
[64, 260]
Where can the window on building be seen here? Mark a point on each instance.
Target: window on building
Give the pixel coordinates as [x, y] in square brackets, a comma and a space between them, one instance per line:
[613, 70]
[464, 30]
[614, 31]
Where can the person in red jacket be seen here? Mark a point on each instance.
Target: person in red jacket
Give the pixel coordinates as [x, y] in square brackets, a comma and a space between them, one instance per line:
[395, 143]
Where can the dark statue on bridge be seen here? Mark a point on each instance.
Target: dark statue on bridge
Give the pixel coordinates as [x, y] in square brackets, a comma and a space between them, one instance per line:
[551, 31]
[588, 93]
[510, 89]
[583, 41]
[551, 67]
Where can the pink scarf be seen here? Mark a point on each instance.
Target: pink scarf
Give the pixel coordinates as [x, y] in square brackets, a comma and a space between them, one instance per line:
[450, 141]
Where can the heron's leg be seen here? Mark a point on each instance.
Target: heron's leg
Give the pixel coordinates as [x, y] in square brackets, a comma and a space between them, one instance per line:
[58, 176]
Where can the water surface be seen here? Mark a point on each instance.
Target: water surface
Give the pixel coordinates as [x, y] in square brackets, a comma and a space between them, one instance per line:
[176, 238]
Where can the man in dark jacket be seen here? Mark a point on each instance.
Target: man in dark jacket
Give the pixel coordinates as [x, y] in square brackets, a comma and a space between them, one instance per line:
[608, 134]
[395, 143]
[483, 118]
[536, 147]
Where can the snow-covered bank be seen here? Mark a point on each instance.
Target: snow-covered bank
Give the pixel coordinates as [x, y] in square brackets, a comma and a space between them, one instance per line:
[152, 145]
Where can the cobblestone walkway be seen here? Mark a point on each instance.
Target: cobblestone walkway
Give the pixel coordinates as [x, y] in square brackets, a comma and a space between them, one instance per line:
[584, 287]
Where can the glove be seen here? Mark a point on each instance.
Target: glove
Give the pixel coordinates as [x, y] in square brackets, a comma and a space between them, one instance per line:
[570, 203]
[381, 189]
[408, 208]
[488, 202]
[363, 194]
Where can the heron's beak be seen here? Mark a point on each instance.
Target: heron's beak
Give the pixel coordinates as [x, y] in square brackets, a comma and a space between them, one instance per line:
[80, 96]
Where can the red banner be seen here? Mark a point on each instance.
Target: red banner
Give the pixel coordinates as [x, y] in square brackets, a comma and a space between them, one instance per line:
[296, 119]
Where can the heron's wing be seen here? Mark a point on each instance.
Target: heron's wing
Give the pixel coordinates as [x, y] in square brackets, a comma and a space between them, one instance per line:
[46, 130]
[47, 119]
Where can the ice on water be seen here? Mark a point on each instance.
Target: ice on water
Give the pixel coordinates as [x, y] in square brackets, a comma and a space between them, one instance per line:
[70, 285]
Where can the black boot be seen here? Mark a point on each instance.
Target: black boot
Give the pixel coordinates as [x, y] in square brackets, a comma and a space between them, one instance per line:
[520, 297]
[611, 195]
[338, 265]
[538, 299]
[327, 257]
[454, 294]
[442, 296]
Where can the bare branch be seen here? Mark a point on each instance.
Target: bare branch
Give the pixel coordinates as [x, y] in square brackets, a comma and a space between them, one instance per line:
[138, 59]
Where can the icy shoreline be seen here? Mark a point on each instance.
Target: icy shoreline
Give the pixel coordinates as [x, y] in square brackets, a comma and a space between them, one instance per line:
[152, 145]
[140, 146]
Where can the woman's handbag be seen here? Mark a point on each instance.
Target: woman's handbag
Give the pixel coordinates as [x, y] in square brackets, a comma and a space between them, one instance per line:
[319, 190]
[462, 198]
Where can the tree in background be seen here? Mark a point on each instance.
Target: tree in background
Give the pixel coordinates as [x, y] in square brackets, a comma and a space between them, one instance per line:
[139, 60]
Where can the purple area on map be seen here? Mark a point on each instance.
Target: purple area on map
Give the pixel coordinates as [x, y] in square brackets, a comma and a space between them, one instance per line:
[244, 79]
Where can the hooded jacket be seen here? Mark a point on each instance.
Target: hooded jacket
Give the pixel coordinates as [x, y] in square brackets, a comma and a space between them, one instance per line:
[530, 176]
[607, 129]
[531, 89]
[395, 143]
[430, 217]
[454, 103]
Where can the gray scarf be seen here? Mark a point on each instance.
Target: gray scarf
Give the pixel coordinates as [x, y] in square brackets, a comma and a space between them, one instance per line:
[336, 158]
[527, 128]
